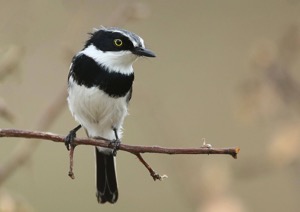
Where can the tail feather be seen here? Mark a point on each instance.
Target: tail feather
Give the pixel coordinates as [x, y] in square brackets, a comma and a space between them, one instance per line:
[106, 179]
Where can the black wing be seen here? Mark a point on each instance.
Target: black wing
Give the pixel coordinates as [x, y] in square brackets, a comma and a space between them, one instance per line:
[129, 95]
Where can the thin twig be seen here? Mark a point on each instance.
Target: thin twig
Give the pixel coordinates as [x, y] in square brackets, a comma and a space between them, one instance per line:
[128, 148]
[153, 174]
[71, 173]
[136, 150]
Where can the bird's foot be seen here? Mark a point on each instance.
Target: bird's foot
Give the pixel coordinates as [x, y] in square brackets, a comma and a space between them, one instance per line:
[116, 146]
[69, 139]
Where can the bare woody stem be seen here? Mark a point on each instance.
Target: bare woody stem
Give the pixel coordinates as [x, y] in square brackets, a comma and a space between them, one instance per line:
[71, 173]
[136, 150]
[128, 148]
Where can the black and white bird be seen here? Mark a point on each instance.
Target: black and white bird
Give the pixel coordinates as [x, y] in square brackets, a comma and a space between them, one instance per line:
[99, 90]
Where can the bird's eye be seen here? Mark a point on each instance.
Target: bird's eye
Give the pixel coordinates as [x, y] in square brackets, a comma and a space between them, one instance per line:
[118, 42]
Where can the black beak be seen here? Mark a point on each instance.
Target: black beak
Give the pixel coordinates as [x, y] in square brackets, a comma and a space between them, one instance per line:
[143, 52]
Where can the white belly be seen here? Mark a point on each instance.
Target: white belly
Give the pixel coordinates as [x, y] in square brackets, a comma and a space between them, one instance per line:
[97, 112]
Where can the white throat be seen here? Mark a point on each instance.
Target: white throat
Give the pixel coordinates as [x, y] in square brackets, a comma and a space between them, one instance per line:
[120, 61]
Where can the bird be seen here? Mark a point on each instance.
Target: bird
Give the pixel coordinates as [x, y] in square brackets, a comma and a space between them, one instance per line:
[99, 90]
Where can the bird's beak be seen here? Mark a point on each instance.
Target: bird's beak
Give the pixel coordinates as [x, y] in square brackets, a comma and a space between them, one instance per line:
[143, 52]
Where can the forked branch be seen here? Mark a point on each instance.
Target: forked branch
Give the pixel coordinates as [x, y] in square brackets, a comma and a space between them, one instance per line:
[136, 150]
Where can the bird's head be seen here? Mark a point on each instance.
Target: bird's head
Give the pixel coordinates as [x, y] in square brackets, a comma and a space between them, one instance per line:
[116, 48]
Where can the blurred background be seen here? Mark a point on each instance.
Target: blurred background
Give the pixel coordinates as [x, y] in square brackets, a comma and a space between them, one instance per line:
[226, 71]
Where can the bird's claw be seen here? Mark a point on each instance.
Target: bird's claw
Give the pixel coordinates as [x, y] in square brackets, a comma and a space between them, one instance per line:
[69, 139]
[116, 146]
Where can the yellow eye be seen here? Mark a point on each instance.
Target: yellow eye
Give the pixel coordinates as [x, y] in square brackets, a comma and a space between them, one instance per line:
[118, 42]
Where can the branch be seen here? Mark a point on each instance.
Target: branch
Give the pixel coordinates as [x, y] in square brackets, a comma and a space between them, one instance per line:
[102, 142]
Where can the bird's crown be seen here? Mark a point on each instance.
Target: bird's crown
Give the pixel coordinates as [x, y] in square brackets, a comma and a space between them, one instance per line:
[114, 39]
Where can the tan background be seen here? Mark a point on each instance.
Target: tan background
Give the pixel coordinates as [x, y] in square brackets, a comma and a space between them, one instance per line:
[208, 81]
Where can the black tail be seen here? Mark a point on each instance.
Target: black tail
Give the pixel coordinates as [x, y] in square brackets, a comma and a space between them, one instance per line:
[106, 179]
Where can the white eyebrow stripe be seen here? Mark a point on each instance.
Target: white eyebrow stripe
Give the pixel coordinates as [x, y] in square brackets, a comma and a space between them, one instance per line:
[135, 44]
[136, 40]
